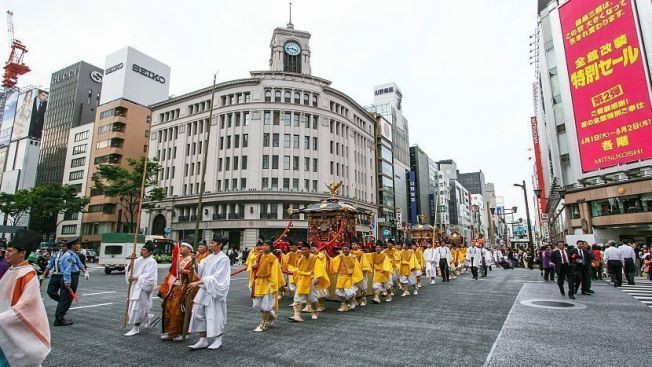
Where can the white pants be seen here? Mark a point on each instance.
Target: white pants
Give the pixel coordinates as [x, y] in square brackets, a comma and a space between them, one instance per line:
[303, 298]
[431, 269]
[139, 308]
[382, 286]
[347, 293]
[265, 303]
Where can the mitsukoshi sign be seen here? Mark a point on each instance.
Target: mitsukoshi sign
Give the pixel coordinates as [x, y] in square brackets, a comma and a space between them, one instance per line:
[608, 82]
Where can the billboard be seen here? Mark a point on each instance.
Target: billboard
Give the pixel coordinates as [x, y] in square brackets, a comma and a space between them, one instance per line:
[412, 178]
[541, 184]
[30, 114]
[608, 82]
[8, 118]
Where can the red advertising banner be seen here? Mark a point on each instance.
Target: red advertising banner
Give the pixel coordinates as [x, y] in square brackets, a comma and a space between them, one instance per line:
[608, 81]
[541, 185]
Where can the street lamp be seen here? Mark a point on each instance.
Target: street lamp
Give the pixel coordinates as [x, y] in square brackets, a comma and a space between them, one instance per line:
[501, 216]
[527, 213]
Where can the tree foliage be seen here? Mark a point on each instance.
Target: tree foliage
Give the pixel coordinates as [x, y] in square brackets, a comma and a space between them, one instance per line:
[14, 206]
[124, 183]
[48, 201]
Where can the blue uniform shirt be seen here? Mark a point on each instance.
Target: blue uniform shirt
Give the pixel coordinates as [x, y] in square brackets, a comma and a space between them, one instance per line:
[54, 263]
[69, 264]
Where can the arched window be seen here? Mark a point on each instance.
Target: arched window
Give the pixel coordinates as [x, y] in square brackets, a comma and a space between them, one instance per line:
[306, 99]
[297, 97]
[158, 225]
[287, 96]
[268, 95]
[314, 100]
[277, 96]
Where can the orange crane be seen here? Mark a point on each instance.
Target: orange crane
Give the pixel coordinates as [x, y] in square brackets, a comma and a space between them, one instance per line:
[15, 66]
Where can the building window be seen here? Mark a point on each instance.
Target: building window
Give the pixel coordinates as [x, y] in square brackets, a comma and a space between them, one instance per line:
[295, 141]
[69, 229]
[297, 97]
[314, 143]
[277, 96]
[287, 119]
[245, 140]
[265, 162]
[295, 163]
[306, 164]
[574, 211]
[286, 162]
[79, 149]
[78, 162]
[267, 117]
[314, 164]
[76, 175]
[265, 140]
[82, 135]
[275, 140]
[561, 128]
[306, 142]
[274, 162]
[265, 183]
[244, 162]
[274, 183]
[565, 158]
[287, 96]
[286, 140]
[268, 95]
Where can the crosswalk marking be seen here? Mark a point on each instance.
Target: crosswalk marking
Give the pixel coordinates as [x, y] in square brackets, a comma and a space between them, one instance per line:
[642, 290]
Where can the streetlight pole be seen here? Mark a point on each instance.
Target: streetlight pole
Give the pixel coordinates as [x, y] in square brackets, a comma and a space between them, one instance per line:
[527, 213]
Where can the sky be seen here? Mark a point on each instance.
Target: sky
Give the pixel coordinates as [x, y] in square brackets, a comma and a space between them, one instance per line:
[462, 65]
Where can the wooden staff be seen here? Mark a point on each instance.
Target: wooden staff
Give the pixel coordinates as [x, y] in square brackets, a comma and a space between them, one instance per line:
[133, 251]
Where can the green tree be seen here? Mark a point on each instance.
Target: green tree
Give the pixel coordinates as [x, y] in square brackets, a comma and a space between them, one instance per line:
[14, 206]
[124, 183]
[48, 201]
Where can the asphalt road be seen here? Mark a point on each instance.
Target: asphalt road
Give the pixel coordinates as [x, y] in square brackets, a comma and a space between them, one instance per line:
[460, 323]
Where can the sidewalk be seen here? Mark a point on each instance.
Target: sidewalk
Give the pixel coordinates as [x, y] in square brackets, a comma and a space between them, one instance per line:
[600, 331]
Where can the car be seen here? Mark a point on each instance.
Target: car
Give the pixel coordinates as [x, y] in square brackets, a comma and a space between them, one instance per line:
[91, 256]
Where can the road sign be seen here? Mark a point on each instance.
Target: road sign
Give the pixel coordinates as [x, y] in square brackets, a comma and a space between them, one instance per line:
[167, 230]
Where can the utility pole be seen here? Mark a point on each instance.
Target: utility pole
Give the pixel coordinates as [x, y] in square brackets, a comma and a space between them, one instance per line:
[527, 213]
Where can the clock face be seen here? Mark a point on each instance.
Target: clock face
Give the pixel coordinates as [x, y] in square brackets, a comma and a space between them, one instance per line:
[292, 48]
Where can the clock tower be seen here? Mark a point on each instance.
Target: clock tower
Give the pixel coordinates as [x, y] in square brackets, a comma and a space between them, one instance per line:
[290, 50]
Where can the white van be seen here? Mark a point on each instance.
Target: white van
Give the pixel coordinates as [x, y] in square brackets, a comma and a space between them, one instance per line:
[116, 249]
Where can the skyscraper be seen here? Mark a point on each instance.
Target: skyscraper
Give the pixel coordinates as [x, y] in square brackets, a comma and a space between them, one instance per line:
[74, 97]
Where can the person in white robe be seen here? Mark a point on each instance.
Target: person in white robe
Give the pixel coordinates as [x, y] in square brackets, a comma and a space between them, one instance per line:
[209, 309]
[475, 255]
[143, 278]
[24, 328]
[498, 257]
[429, 256]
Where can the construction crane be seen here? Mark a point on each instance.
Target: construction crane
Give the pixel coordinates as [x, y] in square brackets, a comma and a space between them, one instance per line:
[15, 66]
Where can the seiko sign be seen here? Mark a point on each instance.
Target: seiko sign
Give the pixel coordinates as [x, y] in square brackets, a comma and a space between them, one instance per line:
[150, 74]
[113, 68]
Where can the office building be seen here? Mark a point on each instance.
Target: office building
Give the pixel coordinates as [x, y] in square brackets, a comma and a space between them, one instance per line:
[73, 100]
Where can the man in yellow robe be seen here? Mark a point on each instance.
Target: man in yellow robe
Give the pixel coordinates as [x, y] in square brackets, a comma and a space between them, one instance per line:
[408, 265]
[421, 263]
[394, 255]
[202, 253]
[267, 279]
[365, 265]
[291, 259]
[348, 271]
[311, 279]
[322, 293]
[382, 272]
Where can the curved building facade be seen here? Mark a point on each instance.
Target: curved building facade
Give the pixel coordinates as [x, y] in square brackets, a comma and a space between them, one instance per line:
[276, 139]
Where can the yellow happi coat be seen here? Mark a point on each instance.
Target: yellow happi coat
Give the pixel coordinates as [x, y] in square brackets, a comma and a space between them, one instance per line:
[347, 269]
[418, 253]
[268, 277]
[382, 266]
[363, 260]
[394, 256]
[306, 270]
[408, 262]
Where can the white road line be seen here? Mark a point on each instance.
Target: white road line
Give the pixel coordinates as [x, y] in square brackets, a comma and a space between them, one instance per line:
[89, 306]
[96, 293]
[493, 347]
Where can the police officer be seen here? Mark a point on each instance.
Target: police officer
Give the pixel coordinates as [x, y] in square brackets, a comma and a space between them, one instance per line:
[70, 266]
[55, 276]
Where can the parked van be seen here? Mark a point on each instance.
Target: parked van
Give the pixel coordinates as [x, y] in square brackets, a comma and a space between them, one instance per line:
[116, 249]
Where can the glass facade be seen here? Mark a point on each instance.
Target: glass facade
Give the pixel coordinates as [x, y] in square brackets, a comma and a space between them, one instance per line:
[73, 101]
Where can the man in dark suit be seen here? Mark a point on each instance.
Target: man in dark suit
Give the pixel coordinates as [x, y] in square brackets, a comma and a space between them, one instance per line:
[582, 259]
[562, 260]
[38, 115]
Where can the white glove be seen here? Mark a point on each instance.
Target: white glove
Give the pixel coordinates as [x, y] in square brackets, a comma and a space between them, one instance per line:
[87, 275]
